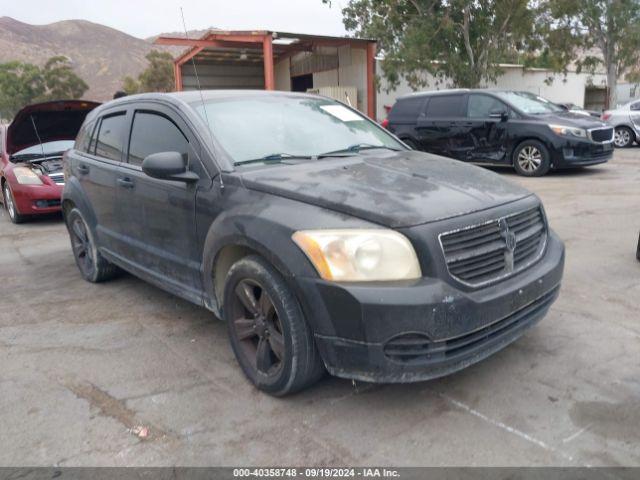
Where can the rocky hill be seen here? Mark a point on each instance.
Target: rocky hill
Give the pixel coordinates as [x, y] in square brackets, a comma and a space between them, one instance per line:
[101, 55]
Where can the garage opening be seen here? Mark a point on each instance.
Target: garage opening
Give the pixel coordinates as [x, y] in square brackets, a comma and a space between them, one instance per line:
[302, 83]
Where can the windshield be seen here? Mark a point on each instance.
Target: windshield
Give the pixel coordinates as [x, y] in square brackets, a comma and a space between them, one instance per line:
[529, 103]
[49, 148]
[276, 127]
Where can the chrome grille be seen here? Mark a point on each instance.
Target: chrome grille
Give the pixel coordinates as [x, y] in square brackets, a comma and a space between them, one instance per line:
[496, 249]
[601, 135]
[57, 178]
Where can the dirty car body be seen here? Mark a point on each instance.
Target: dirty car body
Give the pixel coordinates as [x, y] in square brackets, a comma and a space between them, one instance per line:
[336, 229]
[31, 149]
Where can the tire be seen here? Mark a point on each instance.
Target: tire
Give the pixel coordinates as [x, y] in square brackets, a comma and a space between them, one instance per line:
[10, 205]
[623, 137]
[269, 334]
[531, 159]
[413, 145]
[92, 265]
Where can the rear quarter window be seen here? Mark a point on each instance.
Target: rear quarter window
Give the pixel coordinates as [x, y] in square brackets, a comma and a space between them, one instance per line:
[109, 137]
[444, 106]
[406, 109]
[84, 137]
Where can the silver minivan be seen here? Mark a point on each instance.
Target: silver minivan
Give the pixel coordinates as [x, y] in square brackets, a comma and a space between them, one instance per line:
[626, 121]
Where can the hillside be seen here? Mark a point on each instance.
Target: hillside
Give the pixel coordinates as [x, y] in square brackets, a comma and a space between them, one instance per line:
[102, 56]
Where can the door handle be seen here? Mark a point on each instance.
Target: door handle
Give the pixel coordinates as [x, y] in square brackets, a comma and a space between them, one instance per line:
[83, 169]
[125, 183]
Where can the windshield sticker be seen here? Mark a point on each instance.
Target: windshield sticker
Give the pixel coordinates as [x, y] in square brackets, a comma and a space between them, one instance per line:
[341, 113]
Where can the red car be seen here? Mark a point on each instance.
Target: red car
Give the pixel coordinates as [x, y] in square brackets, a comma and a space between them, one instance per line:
[31, 149]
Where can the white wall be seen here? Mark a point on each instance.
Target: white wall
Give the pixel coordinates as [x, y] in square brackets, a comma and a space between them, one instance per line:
[282, 75]
[569, 89]
[351, 72]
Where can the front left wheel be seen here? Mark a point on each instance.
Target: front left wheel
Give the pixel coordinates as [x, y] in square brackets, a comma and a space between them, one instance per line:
[267, 329]
[531, 159]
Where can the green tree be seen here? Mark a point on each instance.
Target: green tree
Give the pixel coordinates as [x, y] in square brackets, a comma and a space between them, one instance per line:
[157, 77]
[459, 41]
[20, 85]
[23, 83]
[596, 33]
[61, 81]
[130, 85]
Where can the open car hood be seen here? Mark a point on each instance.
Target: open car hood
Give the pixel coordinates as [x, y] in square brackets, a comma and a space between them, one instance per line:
[57, 120]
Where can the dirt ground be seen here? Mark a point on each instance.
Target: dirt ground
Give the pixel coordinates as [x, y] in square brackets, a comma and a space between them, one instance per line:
[83, 366]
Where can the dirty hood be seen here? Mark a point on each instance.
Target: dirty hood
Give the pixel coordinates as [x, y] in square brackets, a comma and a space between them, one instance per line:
[398, 189]
[59, 120]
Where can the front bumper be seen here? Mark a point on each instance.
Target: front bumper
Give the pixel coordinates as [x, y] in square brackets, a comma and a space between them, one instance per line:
[429, 328]
[570, 154]
[37, 199]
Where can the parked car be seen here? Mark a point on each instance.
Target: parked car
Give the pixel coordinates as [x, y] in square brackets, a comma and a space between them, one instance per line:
[573, 108]
[319, 238]
[626, 121]
[31, 148]
[500, 127]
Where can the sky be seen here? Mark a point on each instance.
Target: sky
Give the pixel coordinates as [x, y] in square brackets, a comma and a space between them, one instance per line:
[144, 18]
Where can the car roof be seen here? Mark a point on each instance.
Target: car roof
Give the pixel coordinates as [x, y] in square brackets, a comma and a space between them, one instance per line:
[433, 93]
[192, 96]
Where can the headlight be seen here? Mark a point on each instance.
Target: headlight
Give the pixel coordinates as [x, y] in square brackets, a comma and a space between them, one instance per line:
[359, 255]
[26, 176]
[568, 131]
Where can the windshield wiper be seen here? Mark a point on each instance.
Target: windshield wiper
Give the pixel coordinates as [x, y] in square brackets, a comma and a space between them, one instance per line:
[356, 148]
[275, 157]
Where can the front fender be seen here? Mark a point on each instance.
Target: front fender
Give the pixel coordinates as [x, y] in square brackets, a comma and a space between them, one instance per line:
[268, 238]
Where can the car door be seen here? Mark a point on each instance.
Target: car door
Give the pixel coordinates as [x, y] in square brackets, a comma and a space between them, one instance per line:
[96, 167]
[485, 138]
[438, 128]
[158, 215]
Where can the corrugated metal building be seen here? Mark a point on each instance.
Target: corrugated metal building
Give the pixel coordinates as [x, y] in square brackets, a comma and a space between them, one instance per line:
[340, 67]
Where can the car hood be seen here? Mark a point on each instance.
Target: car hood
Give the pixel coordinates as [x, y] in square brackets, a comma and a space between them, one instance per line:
[59, 120]
[397, 189]
[572, 119]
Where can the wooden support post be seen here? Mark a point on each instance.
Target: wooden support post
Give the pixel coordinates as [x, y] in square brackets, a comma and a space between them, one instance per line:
[177, 72]
[267, 53]
[371, 80]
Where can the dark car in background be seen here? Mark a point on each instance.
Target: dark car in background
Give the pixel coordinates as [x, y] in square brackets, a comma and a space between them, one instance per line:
[500, 127]
[31, 148]
[319, 238]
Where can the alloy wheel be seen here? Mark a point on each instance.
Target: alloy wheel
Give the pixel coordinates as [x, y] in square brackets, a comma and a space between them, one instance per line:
[529, 159]
[622, 137]
[255, 323]
[8, 198]
[82, 246]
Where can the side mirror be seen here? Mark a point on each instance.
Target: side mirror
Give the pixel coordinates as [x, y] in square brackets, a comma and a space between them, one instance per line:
[503, 115]
[168, 166]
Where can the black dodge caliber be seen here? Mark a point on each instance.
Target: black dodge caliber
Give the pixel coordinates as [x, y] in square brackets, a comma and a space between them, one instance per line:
[321, 239]
[500, 127]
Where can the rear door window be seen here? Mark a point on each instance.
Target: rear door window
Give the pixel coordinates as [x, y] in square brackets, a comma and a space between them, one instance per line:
[109, 139]
[445, 106]
[154, 133]
[481, 106]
